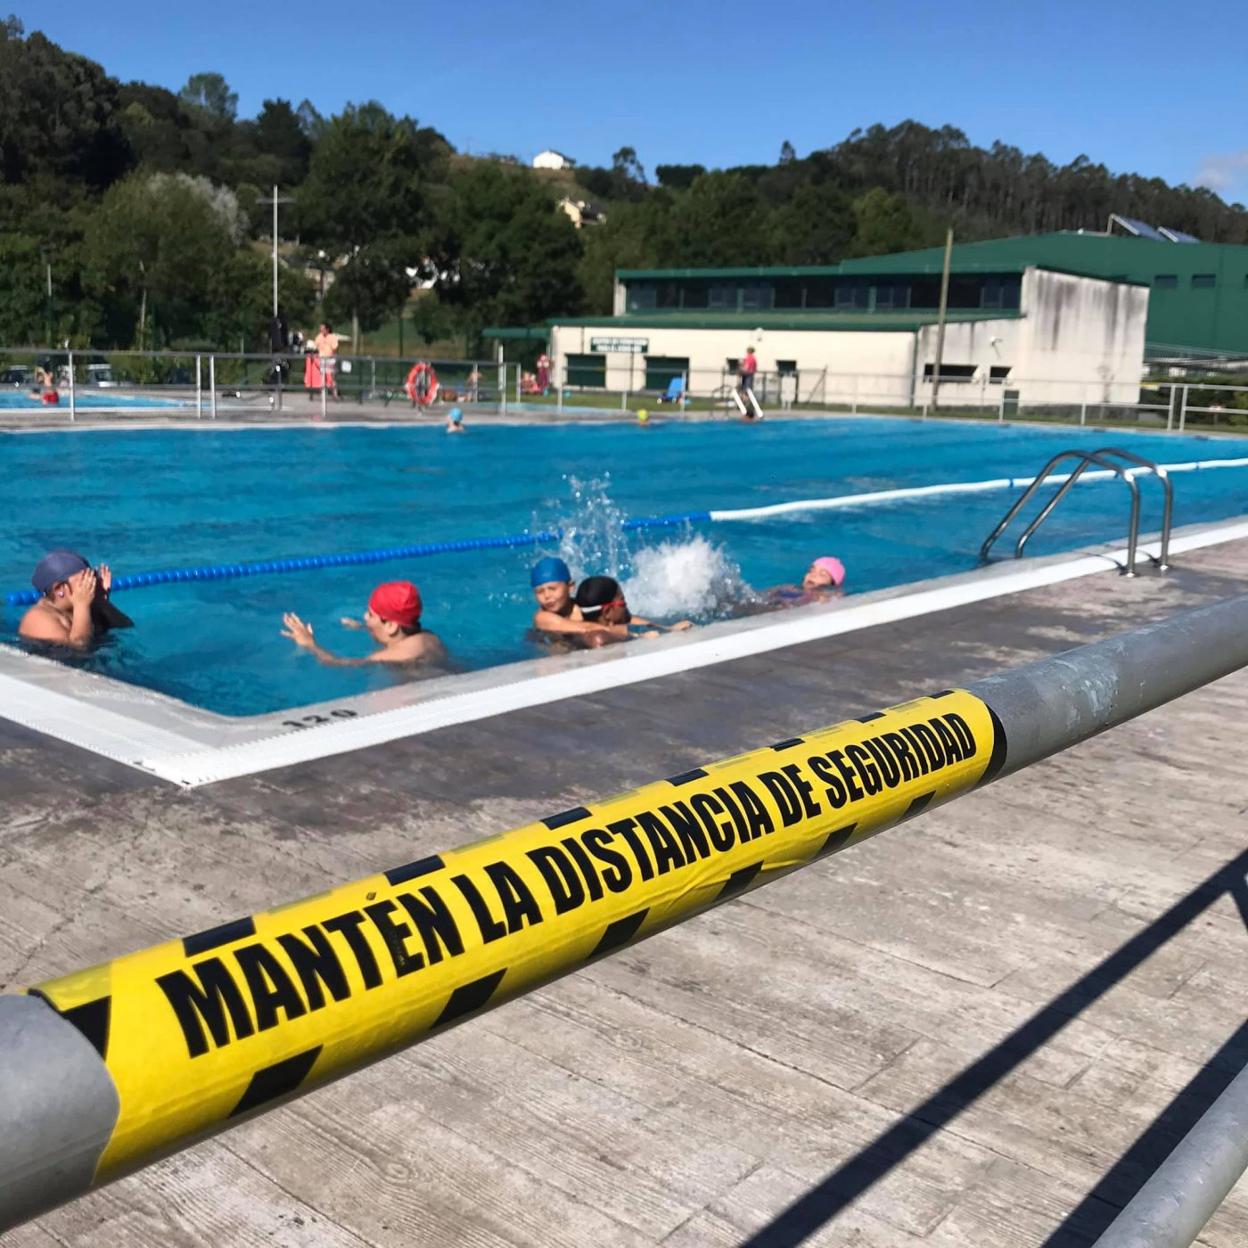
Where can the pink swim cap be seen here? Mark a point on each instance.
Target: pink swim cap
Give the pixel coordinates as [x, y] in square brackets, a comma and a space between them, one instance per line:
[832, 566]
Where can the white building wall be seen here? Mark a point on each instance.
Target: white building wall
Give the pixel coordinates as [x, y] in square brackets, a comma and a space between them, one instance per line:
[832, 366]
[1083, 338]
[1077, 340]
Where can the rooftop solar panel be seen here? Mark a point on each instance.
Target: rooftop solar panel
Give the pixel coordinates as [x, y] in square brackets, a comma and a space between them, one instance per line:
[1141, 229]
[1177, 236]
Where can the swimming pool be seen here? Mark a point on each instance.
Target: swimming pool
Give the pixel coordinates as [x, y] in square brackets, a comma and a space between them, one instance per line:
[154, 499]
[92, 400]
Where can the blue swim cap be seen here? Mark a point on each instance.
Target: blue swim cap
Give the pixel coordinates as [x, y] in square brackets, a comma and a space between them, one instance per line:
[549, 568]
[456, 415]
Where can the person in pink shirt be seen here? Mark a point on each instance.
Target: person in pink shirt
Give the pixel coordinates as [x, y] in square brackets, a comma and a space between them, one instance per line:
[747, 368]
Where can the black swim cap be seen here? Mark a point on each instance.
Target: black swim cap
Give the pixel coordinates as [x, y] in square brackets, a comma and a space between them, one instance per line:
[594, 592]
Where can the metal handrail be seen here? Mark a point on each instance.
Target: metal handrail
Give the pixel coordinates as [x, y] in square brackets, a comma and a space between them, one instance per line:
[1167, 513]
[1087, 459]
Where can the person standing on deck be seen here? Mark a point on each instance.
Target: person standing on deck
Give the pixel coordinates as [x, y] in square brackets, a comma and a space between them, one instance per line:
[327, 356]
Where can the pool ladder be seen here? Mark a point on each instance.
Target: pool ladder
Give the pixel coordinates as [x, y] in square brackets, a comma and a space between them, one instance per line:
[1107, 458]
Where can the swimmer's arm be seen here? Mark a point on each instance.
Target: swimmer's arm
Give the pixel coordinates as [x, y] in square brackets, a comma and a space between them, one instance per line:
[549, 622]
[679, 627]
[301, 634]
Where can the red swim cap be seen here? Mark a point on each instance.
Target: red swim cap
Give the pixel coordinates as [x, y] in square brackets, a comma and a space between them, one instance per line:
[398, 602]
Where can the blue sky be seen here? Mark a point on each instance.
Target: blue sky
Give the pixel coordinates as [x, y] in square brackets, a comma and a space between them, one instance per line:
[1143, 86]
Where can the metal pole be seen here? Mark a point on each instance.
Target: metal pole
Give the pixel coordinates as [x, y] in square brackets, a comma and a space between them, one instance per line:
[1185, 1190]
[199, 387]
[73, 393]
[275, 203]
[212, 385]
[1183, 411]
[940, 319]
[502, 384]
[1170, 409]
[181, 1026]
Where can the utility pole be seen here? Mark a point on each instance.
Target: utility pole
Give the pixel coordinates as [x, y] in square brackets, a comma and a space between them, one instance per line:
[940, 320]
[275, 200]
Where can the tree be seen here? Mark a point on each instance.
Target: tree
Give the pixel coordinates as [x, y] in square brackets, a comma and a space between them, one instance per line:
[280, 134]
[720, 220]
[161, 249]
[372, 286]
[885, 224]
[626, 165]
[367, 179]
[787, 154]
[512, 254]
[210, 95]
[816, 225]
[57, 117]
[678, 177]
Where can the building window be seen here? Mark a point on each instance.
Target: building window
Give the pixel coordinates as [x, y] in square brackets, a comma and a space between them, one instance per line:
[756, 298]
[660, 369]
[587, 370]
[998, 373]
[851, 296]
[693, 295]
[722, 297]
[1166, 281]
[642, 297]
[787, 292]
[1204, 281]
[949, 372]
[786, 368]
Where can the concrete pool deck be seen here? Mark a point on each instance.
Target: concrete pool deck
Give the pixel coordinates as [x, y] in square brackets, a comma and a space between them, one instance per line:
[921, 1041]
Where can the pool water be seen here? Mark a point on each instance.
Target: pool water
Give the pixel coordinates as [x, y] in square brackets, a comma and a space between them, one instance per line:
[90, 400]
[145, 500]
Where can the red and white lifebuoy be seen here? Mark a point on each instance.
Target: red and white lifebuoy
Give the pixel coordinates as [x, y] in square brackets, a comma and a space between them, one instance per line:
[422, 384]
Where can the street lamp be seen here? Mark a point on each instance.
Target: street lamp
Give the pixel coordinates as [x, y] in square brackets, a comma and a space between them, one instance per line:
[276, 199]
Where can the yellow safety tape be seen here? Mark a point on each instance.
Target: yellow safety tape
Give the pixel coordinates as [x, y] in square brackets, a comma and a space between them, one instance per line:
[198, 1031]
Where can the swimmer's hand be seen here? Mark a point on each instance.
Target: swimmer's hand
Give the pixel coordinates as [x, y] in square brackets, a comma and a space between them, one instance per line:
[298, 632]
[106, 577]
[680, 626]
[82, 588]
[349, 621]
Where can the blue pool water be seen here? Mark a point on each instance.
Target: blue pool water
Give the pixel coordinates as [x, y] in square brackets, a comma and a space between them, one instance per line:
[90, 400]
[154, 499]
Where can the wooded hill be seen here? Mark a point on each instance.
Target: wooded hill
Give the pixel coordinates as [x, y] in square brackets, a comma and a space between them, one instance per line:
[148, 207]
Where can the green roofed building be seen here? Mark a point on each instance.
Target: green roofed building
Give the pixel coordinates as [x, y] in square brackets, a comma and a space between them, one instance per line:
[1053, 317]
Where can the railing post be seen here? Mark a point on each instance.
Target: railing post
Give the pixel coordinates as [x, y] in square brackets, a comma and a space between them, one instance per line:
[1170, 409]
[1083, 411]
[73, 394]
[1183, 410]
[502, 387]
[212, 385]
[199, 387]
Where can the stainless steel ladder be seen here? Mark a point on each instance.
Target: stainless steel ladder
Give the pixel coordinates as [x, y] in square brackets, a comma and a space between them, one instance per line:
[1107, 458]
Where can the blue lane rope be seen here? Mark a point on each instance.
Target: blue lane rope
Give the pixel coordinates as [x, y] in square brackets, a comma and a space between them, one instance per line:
[266, 567]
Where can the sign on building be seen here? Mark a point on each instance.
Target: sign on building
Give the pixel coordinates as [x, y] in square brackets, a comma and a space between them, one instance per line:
[630, 346]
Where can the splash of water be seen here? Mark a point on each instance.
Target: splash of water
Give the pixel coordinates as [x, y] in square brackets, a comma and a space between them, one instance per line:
[693, 579]
[594, 541]
[682, 578]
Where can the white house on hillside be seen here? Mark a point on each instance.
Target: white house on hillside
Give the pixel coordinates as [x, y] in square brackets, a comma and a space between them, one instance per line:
[550, 159]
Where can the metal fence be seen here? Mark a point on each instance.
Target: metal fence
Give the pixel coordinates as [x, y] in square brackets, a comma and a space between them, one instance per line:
[218, 385]
[39, 384]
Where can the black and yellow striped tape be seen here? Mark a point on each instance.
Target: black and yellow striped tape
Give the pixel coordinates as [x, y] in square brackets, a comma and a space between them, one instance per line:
[198, 1032]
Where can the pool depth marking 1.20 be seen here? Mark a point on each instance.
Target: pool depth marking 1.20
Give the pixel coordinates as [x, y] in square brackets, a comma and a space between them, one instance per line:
[196, 1033]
